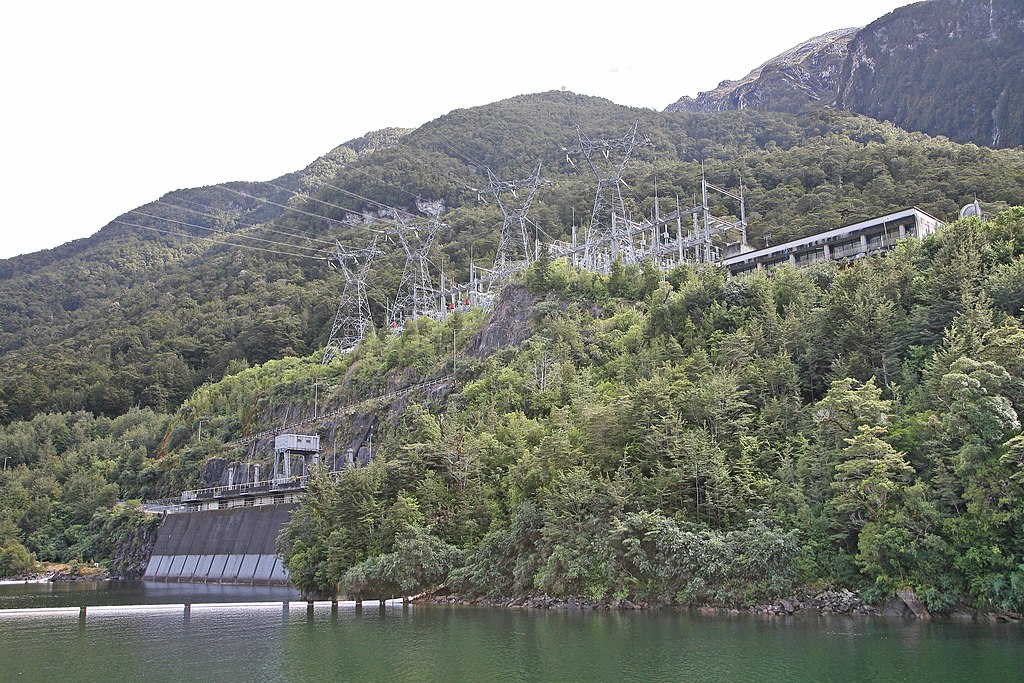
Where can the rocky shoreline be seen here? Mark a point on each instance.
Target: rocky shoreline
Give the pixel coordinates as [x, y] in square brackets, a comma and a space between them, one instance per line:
[55, 577]
[839, 601]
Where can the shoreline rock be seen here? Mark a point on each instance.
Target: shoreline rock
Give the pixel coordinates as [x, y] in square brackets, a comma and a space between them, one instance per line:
[73, 577]
[843, 602]
[25, 578]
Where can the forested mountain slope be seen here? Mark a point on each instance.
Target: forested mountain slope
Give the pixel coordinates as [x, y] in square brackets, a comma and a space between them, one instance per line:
[677, 438]
[674, 437]
[133, 316]
[944, 67]
[153, 304]
[692, 439]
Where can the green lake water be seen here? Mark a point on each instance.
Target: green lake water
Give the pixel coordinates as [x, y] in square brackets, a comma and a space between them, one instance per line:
[434, 643]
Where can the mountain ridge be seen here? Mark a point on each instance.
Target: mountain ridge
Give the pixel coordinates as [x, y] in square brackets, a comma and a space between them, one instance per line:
[134, 316]
[809, 70]
[942, 67]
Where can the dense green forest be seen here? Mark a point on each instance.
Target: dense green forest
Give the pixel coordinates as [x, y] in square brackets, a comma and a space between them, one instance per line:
[680, 438]
[133, 317]
[689, 438]
[668, 437]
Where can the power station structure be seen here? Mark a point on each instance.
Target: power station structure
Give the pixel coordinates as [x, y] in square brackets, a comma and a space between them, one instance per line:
[231, 538]
[712, 230]
[866, 238]
[292, 449]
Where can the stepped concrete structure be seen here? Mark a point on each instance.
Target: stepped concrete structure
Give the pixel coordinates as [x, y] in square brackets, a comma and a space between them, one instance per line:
[233, 545]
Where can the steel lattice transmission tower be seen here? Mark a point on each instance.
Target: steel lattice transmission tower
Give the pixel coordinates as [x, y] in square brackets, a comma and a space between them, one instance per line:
[353, 316]
[514, 241]
[608, 230]
[416, 242]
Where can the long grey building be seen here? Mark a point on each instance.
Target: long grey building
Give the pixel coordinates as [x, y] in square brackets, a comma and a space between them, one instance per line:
[868, 237]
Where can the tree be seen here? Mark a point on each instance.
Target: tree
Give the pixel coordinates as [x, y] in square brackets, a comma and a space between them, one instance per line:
[419, 563]
[15, 559]
[870, 480]
[578, 514]
[303, 542]
[975, 411]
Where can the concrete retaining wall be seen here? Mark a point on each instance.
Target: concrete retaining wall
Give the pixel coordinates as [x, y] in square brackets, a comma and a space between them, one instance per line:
[220, 546]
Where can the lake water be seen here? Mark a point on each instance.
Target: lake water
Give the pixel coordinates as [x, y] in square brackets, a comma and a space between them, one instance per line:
[435, 643]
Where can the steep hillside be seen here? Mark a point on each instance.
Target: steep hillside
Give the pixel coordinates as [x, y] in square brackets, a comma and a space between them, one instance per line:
[662, 438]
[945, 67]
[636, 438]
[137, 317]
[690, 439]
[157, 301]
[799, 79]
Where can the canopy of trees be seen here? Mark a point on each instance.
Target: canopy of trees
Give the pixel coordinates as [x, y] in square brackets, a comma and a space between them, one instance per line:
[679, 437]
[696, 439]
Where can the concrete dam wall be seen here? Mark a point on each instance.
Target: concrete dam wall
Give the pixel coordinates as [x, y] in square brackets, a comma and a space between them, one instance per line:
[220, 546]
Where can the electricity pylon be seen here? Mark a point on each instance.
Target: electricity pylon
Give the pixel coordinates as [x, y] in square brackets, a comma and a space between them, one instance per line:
[609, 229]
[353, 316]
[416, 242]
[514, 241]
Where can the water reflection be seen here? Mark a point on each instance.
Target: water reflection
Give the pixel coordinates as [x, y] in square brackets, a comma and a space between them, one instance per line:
[432, 643]
[89, 593]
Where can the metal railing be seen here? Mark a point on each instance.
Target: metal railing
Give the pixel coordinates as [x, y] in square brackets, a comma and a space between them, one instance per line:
[268, 485]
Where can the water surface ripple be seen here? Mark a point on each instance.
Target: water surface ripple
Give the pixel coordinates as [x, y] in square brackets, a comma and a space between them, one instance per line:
[434, 643]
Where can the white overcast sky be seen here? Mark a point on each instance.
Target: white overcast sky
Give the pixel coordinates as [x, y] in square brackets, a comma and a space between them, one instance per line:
[108, 105]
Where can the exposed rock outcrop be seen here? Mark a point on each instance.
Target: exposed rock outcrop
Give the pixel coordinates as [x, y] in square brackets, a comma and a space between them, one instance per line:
[801, 78]
[132, 552]
[508, 326]
[943, 67]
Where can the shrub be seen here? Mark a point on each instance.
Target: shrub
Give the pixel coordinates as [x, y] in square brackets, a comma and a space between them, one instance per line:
[15, 559]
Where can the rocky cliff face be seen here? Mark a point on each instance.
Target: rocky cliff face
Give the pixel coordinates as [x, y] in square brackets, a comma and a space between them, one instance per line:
[799, 79]
[943, 67]
[133, 547]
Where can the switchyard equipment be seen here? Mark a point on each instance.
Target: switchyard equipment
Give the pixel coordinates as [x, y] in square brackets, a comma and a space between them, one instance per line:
[613, 235]
[608, 235]
[412, 298]
[514, 243]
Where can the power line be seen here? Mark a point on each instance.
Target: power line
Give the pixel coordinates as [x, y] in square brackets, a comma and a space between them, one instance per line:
[283, 206]
[220, 242]
[335, 206]
[511, 134]
[483, 133]
[451, 152]
[451, 146]
[233, 234]
[251, 225]
[381, 180]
